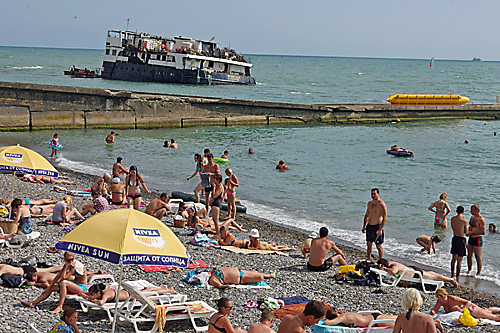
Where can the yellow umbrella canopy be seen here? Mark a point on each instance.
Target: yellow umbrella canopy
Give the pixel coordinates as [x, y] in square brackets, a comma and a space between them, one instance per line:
[127, 236]
[21, 159]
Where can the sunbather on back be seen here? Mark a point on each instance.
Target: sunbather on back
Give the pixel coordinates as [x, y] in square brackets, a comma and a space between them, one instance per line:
[394, 268]
[221, 277]
[99, 294]
[356, 319]
[228, 239]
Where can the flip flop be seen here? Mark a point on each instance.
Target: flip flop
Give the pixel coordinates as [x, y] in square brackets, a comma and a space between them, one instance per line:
[53, 250]
[251, 304]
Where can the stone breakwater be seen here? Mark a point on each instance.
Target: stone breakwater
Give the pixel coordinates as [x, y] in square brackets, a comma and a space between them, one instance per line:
[27, 106]
[292, 276]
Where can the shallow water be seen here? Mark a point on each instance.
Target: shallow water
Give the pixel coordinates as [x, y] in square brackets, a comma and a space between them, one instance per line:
[332, 169]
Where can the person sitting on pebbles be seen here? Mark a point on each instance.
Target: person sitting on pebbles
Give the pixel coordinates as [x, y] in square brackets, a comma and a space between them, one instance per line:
[256, 244]
[266, 322]
[306, 248]
[222, 277]
[319, 249]
[428, 242]
[228, 239]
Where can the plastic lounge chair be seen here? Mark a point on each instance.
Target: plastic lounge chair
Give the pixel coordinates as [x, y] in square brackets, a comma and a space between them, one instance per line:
[139, 284]
[92, 280]
[383, 274]
[2, 241]
[21, 240]
[320, 328]
[146, 312]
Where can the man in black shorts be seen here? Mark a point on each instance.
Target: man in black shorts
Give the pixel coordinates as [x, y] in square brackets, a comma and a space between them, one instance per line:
[477, 228]
[209, 170]
[319, 249]
[374, 223]
[458, 242]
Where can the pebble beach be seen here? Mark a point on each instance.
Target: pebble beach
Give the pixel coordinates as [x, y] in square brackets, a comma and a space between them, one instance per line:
[293, 279]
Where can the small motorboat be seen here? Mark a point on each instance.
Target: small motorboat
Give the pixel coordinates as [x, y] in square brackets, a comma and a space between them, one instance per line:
[401, 152]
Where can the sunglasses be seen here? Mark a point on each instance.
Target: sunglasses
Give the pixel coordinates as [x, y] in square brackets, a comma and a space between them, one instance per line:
[229, 307]
[70, 259]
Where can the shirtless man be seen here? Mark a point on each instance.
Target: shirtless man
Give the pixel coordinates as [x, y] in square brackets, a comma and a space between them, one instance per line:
[222, 277]
[453, 303]
[281, 166]
[173, 144]
[118, 169]
[209, 169]
[458, 242]
[356, 319]
[477, 228]
[158, 207]
[266, 319]
[118, 195]
[441, 211]
[312, 314]
[393, 267]
[110, 138]
[319, 249]
[375, 217]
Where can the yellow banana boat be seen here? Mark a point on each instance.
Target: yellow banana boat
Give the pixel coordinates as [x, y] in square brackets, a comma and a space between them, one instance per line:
[414, 99]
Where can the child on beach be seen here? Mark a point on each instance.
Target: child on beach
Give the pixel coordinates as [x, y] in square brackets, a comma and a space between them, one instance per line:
[67, 324]
[428, 242]
[54, 143]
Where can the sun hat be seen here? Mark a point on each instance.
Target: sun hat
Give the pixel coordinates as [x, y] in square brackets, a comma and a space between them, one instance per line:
[116, 180]
[313, 234]
[254, 233]
[79, 268]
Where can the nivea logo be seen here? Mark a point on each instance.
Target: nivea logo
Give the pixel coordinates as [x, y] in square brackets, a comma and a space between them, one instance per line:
[13, 158]
[13, 155]
[146, 232]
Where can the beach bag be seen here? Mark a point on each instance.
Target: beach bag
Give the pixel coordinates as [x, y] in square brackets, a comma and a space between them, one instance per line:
[466, 319]
[200, 239]
[346, 269]
[12, 281]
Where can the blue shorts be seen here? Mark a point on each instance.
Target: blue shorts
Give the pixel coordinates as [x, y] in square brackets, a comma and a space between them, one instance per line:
[83, 286]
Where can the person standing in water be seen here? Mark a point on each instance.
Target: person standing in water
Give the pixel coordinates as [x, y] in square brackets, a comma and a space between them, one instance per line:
[458, 242]
[441, 209]
[54, 143]
[477, 228]
[374, 223]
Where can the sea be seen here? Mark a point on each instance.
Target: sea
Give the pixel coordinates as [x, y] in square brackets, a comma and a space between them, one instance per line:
[332, 167]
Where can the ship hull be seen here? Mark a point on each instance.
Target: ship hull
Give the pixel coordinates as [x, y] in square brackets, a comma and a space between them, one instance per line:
[162, 74]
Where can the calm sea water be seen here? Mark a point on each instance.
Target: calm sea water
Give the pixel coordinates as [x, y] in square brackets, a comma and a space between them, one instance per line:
[332, 168]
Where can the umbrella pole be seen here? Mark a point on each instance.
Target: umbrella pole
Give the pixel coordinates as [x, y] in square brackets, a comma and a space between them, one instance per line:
[117, 298]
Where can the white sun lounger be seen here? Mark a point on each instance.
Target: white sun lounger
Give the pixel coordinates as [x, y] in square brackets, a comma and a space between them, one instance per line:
[423, 282]
[87, 305]
[19, 240]
[146, 313]
[320, 328]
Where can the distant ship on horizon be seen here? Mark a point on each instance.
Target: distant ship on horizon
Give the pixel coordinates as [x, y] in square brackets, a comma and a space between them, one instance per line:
[477, 59]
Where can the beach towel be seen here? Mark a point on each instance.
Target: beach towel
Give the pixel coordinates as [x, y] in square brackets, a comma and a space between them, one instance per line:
[451, 318]
[247, 251]
[159, 268]
[295, 309]
[294, 300]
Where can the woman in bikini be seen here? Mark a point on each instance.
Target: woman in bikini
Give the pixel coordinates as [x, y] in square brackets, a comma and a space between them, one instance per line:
[198, 170]
[232, 184]
[63, 285]
[181, 217]
[22, 216]
[44, 179]
[222, 277]
[219, 322]
[228, 239]
[441, 211]
[256, 244]
[118, 194]
[133, 188]
[99, 294]
[216, 200]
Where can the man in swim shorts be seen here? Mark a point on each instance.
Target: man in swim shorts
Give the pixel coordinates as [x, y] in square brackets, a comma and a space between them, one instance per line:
[458, 242]
[374, 223]
[210, 169]
[158, 207]
[393, 267]
[477, 228]
[319, 249]
[119, 170]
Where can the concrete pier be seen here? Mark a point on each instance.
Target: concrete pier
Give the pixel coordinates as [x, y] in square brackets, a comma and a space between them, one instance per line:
[25, 106]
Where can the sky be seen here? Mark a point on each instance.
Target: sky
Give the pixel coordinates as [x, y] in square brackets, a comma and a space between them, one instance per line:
[443, 29]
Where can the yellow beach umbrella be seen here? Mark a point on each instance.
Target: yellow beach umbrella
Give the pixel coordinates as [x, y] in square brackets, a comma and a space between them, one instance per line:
[128, 237]
[21, 159]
